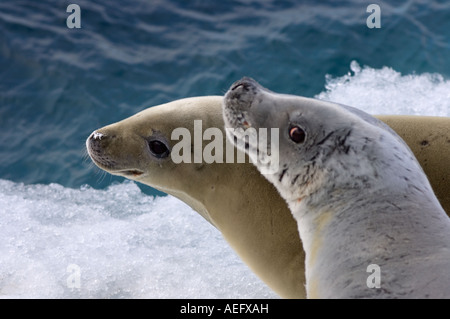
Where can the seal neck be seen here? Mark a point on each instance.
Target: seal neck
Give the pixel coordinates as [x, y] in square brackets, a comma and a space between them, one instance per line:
[342, 239]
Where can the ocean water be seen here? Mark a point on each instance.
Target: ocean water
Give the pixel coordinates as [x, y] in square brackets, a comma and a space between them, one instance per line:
[68, 230]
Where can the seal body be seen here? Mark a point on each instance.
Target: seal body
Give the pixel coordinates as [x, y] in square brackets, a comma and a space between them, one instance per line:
[358, 194]
[259, 228]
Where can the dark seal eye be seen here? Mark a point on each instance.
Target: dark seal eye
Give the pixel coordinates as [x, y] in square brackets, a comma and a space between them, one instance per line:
[297, 134]
[158, 149]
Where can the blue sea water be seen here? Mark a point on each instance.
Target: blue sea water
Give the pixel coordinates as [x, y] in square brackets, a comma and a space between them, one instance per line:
[58, 84]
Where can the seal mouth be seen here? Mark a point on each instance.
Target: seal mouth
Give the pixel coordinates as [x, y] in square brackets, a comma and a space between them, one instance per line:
[130, 172]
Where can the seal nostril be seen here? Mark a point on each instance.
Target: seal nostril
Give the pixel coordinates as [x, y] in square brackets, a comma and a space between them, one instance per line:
[97, 135]
[238, 86]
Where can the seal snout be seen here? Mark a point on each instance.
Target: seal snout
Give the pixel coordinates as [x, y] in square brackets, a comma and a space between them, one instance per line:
[95, 140]
[107, 152]
[95, 145]
[245, 84]
[242, 93]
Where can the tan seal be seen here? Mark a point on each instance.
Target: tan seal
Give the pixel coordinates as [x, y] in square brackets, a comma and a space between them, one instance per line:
[235, 198]
[361, 199]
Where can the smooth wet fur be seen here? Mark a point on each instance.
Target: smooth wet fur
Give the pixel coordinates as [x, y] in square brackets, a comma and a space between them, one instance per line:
[357, 192]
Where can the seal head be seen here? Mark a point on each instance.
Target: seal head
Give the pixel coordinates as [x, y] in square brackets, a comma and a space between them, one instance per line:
[317, 142]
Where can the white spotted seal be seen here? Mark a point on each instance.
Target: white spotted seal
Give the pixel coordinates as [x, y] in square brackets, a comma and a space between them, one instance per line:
[358, 194]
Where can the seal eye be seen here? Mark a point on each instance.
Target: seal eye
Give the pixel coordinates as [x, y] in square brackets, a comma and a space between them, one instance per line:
[297, 134]
[158, 149]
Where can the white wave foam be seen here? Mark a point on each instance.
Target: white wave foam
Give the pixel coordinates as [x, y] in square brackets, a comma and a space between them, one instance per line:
[125, 243]
[386, 91]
